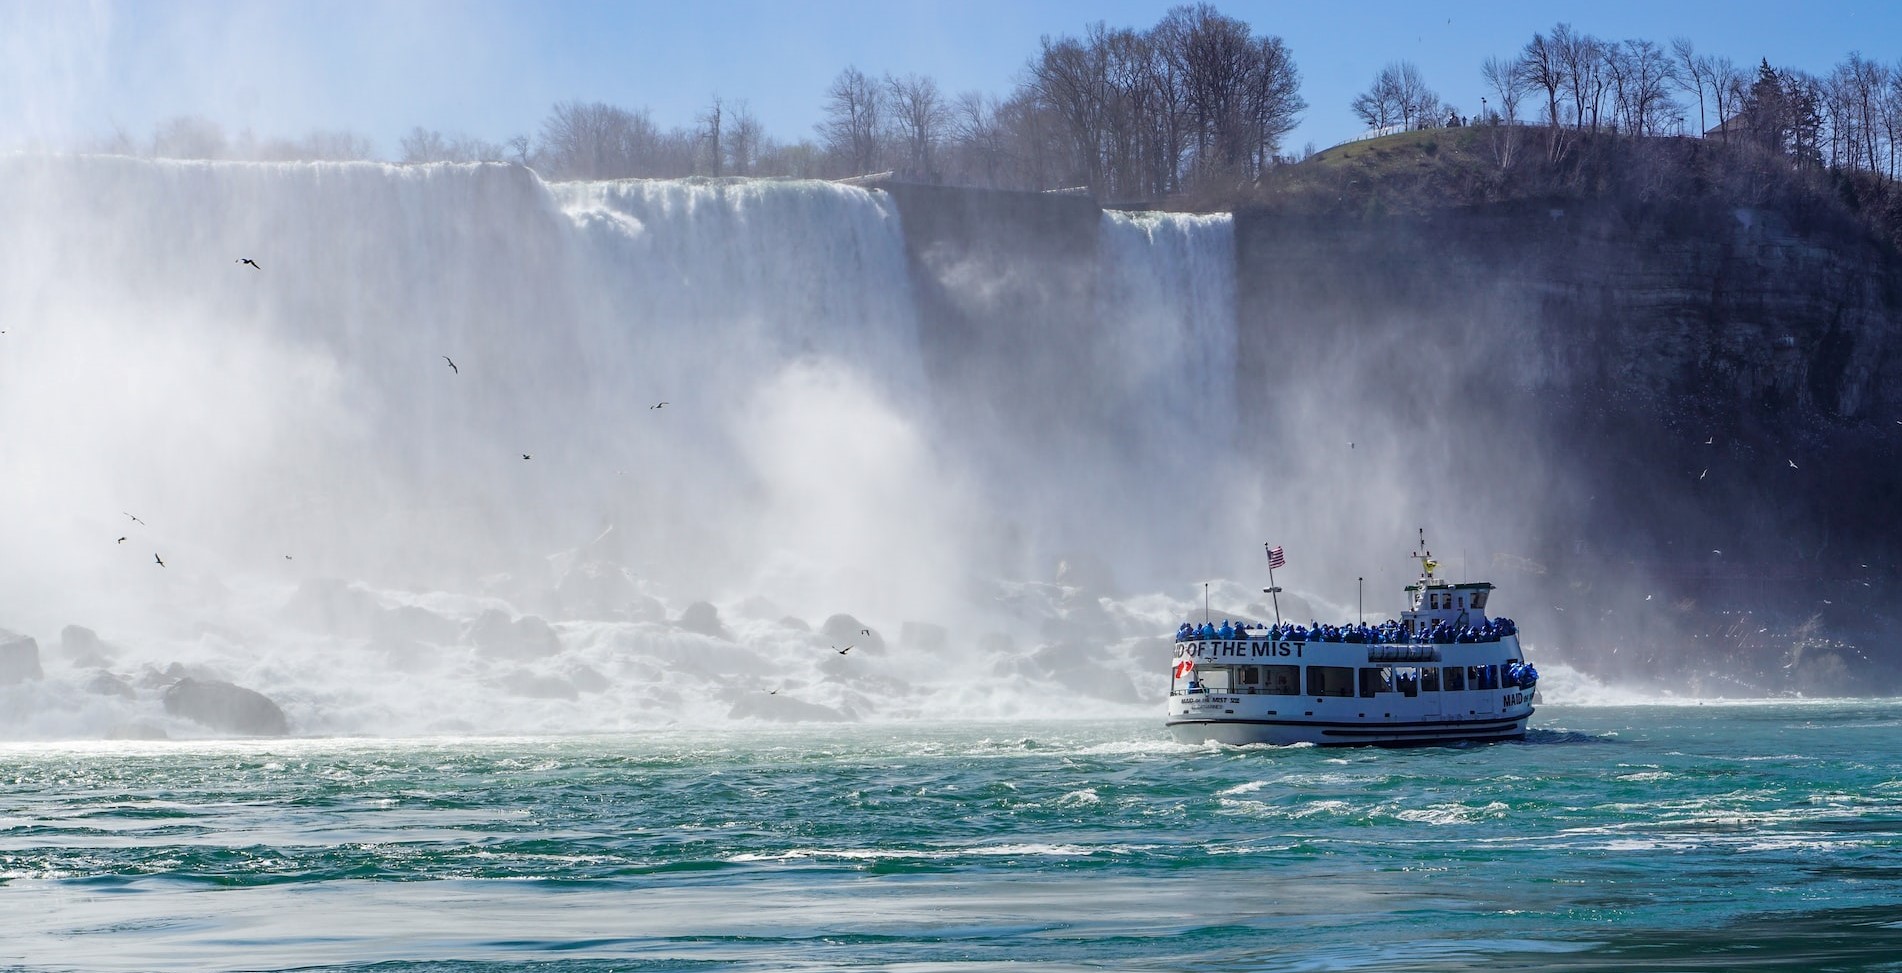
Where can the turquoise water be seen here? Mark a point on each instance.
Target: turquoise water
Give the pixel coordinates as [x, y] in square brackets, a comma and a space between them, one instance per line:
[1764, 836]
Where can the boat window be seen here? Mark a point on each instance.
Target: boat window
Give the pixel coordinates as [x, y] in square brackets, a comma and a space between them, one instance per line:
[1215, 679]
[1281, 680]
[1376, 680]
[1433, 601]
[1430, 679]
[1248, 676]
[1455, 677]
[1462, 601]
[1330, 681]
[1479, 600]
[1407, 680]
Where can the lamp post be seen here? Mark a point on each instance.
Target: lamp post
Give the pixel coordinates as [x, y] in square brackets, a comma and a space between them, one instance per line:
[1360, 588]
[1482, 110]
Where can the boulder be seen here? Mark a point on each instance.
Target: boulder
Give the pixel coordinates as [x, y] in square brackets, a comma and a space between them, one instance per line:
[226, 707]
[105, 683]
[19, 658]
[703, 618]
[846, 630]
[84, 648]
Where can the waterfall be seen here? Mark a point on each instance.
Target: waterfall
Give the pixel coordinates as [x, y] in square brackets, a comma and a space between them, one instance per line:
[349, 525]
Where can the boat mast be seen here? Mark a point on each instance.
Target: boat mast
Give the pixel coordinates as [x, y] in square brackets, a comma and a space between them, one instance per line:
[1273, 591]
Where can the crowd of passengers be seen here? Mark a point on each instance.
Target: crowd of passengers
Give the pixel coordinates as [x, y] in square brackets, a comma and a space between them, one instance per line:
[1387, 632]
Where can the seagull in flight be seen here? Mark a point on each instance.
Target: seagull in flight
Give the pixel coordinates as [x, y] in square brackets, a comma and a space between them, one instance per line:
[524, 455]
[248, 260]
[122, 540]
[1792, 464]
[865, 631]
[134, 519]
[1704, 474]
[160, 560]
[452, 365]
[657, 405]
[1711, 440]
[846, 649]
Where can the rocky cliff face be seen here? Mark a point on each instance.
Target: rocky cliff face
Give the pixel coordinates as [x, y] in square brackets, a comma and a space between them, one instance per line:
[1660, 428]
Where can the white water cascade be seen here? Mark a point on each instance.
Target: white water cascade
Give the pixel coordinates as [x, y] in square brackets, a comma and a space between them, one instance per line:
[530, 542]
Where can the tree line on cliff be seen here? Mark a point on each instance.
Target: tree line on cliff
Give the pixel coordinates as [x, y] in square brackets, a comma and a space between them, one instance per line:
[1196, 105]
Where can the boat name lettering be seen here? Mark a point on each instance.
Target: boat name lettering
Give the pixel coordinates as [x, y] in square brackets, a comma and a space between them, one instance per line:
[1514, 699]
[1240, 649]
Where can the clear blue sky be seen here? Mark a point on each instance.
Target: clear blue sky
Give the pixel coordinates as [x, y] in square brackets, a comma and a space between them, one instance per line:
[492, 68]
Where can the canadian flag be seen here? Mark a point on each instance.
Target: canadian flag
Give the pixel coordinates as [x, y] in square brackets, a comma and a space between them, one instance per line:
[1184, 667]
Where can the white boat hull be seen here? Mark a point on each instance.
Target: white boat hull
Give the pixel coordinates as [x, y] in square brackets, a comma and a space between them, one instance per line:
[1234, 732]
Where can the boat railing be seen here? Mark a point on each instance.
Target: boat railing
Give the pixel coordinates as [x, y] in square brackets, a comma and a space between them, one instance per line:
[1498, 630]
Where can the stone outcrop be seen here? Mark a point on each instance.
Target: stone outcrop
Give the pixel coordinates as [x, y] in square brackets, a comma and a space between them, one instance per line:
[19, 658]
[84, 648]
[226, 707]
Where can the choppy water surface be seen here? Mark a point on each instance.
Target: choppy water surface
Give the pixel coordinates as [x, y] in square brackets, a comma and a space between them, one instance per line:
[1703, 837]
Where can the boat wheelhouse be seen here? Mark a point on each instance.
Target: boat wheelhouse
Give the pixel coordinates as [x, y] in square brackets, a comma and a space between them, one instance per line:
[1443, 672]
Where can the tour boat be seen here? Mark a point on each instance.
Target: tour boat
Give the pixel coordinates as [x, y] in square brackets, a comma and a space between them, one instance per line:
[1443, 672]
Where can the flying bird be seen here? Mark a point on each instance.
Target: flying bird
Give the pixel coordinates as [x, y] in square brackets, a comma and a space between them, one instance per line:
[452, 365]
[1792, 464]
[865, 631]
[1717, 552]
[1711, 440]
[524, 455]
[1704, 474]
[846, 649]
[122, 540]
[287, 557]
[160, 560]
[134, 519]
[248, 260]
[657, 405]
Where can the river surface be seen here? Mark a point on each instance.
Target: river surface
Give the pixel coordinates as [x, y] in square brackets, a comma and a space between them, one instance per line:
[1713, 837]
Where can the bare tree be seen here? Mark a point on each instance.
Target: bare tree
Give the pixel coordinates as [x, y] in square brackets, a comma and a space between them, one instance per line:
[746, 141]
[1379, 105]
[1727, 93]
[1069, 79]
[1275, 101]
[189, 137]
[1545, 71]
[1581, 57]
[919, 116]
[1509, 80]
[1640, 77]
[593, 140]
[1693, 75]
[854, 107]
[710, 121]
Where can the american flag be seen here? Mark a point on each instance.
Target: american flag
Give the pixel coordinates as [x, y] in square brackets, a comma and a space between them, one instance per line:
[1184, 666]
[1275, 560]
